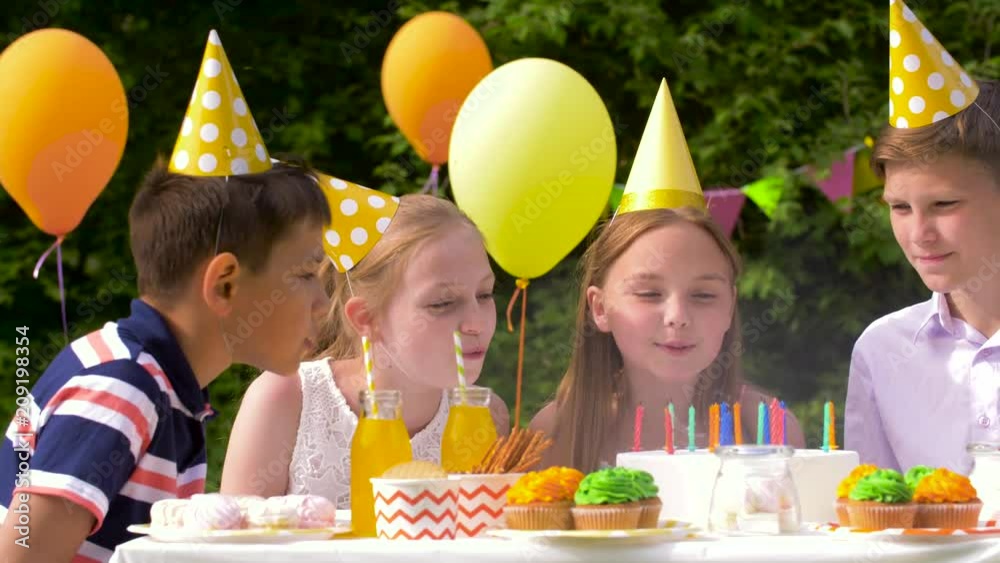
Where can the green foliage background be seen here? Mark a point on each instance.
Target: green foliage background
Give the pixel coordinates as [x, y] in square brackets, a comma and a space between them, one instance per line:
[762, 87]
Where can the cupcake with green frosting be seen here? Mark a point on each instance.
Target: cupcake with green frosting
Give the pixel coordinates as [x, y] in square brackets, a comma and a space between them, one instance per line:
[609, 499]
[649, 499]
[882, 500]
[916, 474]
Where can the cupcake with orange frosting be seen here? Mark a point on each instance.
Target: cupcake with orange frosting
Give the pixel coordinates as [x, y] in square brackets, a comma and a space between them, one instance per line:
[541, 500]
[844, 490]
[945, 499]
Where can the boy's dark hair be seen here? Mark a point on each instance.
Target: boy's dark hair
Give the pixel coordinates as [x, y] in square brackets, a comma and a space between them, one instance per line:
[972, 133]
[174, 220]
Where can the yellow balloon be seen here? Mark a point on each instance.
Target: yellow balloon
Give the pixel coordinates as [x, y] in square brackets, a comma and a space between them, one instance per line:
[532, 162]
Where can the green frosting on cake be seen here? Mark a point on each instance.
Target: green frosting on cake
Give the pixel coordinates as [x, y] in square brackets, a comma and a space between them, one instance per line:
[915, 474]
[615, 485]
[885, 486]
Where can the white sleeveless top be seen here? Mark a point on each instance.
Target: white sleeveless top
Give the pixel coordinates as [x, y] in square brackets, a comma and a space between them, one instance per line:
[321, 460]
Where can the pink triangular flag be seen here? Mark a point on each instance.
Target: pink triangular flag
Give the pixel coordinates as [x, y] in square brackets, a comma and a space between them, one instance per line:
[725, 206]
[840, 184]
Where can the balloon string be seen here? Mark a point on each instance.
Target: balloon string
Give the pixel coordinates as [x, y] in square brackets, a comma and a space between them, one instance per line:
[521, 290]
[57, 246]
[431, 185]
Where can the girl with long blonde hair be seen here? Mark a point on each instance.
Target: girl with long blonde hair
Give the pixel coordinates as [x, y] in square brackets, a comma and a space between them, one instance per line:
[657, 322]
[427, 275]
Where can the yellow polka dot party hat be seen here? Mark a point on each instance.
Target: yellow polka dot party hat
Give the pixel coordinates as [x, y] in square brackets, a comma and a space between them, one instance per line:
[926, 85]
[359, 217]
[218, 136]
[663, 173]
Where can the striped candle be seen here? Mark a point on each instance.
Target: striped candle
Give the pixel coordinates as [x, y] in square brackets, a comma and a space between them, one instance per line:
[833, 426]
[713, 427]
[737, 425]
[765, 434]
[826, 426]
[460, 364]
[691, 444]
[774, 415]
[784, 417]
[672, 422]
[761, 410]
[726, 429]
[637, 429]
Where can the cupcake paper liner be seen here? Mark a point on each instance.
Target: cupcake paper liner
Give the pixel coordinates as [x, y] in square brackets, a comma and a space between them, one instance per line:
[650, 515]
[607, 517]
[843, 516]
[948, 514]
[539, 516]
[880, 516]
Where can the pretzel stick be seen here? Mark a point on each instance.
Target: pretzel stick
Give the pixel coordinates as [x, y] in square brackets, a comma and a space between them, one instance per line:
[486, 457]
[505, 454]
[520, 450]
[526, 464]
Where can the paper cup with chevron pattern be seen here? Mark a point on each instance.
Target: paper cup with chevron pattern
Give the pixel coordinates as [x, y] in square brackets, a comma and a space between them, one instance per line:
[414, 509]
[481, 500]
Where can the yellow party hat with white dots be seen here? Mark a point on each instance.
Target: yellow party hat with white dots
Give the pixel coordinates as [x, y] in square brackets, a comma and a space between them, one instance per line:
[926, 85]
[663, 173]
[218, 136]
[359, 215]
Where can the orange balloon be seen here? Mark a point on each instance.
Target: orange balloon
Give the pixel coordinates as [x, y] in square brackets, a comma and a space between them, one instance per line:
[431, 65]
[63, 123]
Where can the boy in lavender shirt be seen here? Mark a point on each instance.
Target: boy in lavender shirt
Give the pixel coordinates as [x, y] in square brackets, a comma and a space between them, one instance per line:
[925, 380]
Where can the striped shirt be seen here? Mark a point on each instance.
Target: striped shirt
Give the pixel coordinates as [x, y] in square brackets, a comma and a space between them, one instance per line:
[114, 424]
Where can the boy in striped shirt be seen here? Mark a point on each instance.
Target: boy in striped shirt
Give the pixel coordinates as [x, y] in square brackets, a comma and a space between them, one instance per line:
[226, 274]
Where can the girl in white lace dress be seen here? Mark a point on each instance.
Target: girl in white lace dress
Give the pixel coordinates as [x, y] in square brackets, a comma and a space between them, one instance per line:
[428, 275]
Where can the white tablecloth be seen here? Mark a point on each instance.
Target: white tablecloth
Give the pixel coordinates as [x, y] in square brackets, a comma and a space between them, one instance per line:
[771, 549]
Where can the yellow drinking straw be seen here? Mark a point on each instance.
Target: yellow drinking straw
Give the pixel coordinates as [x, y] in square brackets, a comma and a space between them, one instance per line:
[460, 362]
[366, 348]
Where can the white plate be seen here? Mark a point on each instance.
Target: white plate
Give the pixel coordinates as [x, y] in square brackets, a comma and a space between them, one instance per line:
[253, 535]
[672, 531]
[985, 530]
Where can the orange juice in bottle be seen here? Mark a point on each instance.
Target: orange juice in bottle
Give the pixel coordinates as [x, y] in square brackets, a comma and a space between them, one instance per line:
[380, 442]
[469, 432]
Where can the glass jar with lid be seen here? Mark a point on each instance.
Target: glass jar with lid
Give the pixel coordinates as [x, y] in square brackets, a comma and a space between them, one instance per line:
[985, 477]
[754, 492]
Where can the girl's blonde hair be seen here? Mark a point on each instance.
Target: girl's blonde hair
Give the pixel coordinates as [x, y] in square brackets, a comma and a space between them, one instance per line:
[419, 219]
[588, 399]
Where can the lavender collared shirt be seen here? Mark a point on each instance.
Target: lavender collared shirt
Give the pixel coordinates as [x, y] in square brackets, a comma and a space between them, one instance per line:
[923, 385]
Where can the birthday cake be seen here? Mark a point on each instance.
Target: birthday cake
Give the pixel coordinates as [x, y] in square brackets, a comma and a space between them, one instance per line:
[686, 480]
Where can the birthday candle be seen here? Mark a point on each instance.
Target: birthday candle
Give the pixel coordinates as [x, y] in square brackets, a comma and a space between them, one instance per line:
[713, 437]
[737, 425]
[761, 422]
[668, 429]
[673, 423]
[833, 427]
[774, 413]
[767, 424]
[637, 432]
[691, 444]
[826, 427]
[784, 418]
[726, 433]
